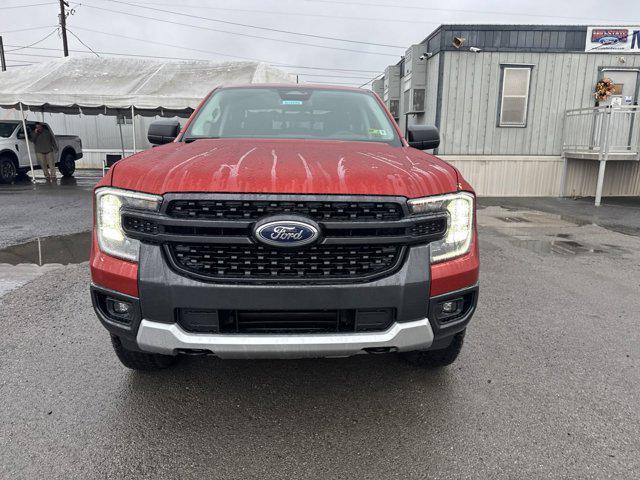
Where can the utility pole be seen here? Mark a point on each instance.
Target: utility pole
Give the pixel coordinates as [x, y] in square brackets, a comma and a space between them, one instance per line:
[3, 63]
[63, 26]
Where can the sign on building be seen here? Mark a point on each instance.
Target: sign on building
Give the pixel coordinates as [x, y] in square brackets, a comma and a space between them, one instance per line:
[613, 40]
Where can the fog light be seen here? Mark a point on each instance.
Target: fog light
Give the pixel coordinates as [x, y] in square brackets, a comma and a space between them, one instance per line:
[119, 310]
[449, 307]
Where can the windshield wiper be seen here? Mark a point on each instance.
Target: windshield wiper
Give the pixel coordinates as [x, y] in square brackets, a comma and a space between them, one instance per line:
[193, 139]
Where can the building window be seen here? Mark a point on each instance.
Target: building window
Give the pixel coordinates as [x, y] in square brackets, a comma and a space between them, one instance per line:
[514, 96]
[418, 100]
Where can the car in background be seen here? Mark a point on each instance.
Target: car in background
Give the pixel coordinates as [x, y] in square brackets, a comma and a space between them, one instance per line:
[14, 156]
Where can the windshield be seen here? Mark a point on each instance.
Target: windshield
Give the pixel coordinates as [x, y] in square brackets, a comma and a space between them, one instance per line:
[293, 113]
[7, 128]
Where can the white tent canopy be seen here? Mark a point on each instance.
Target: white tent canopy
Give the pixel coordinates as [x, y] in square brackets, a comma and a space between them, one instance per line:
[110, 85]
[124, 86]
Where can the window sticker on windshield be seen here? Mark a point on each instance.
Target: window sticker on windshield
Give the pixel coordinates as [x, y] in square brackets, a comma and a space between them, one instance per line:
[374, 132]
[291, 102]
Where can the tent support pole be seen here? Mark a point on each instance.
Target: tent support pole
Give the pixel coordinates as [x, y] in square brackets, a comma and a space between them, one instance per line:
[26, 140]
[121, 140]
[133, 124]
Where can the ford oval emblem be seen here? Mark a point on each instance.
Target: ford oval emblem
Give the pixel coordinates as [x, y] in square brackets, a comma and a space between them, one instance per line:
[286, 232]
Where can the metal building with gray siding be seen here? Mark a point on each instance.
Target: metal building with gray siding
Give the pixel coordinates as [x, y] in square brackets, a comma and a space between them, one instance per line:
[515, 142]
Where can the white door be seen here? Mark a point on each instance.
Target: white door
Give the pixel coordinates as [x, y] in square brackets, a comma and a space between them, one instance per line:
[624, 124]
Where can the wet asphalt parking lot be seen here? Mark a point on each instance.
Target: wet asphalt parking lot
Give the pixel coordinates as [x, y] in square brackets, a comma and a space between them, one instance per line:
[547, 385]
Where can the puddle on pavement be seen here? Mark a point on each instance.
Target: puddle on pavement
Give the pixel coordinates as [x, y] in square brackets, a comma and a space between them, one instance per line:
[514, 220]
[546, 233]
[559, 245]
[58, 249]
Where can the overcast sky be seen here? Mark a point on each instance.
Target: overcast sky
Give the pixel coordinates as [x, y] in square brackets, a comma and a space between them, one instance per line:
[384, 22]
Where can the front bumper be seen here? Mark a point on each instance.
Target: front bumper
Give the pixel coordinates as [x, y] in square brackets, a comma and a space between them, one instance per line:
[169, 339]
[163, 292]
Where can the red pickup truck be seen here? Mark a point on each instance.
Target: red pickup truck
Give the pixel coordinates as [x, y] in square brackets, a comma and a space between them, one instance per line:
[285, 221]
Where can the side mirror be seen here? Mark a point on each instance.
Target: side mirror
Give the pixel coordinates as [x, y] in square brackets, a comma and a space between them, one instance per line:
[163, 131]
[423, 137]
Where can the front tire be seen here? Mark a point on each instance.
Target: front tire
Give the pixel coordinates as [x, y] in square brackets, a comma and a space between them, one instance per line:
[8, 170]
[437, 358]
[141, 361]
[22, 176]
[67, 165]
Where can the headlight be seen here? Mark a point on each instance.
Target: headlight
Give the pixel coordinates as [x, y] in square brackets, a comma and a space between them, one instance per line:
[457, 240]
[111, 237]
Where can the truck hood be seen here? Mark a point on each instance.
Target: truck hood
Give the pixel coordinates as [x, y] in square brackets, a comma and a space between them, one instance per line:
[285, 166]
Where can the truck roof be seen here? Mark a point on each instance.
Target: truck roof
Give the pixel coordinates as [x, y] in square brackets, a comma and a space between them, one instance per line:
[17, 122]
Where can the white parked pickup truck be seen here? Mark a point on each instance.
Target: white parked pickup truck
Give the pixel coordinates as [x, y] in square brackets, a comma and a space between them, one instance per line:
[14, 158]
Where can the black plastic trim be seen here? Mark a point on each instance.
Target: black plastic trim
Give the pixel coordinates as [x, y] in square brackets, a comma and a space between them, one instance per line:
[128, 331]
[169, 197]
[444, 331]
[162, 290]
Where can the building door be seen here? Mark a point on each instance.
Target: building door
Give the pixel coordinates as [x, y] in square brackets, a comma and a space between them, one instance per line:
[623, 122]
[626, 87]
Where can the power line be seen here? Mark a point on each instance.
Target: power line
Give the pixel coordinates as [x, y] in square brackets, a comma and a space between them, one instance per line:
[27, 29]
[80, 40]
[111, 34]
[36, 42]
[371, 80]
[448, 10]
[293, 14]
[28, 5]
[129, 14]
[33, 55]
[237, 24]
[118, 35]
[321, 68]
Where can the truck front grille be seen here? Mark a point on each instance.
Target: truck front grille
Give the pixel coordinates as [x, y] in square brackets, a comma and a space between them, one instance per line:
[258, 262]
[211, 236]
[255, 209]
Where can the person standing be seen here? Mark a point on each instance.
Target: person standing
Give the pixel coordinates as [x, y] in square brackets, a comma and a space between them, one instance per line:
[46, 147]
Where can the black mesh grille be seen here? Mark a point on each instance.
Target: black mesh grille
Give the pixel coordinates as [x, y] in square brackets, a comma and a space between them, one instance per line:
[255, 209]
[141, 225]
[430, 227]
[256, 262]
[286, 322]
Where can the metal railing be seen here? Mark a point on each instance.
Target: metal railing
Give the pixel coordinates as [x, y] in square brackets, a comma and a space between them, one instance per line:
[599, 133]
[602, 134]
